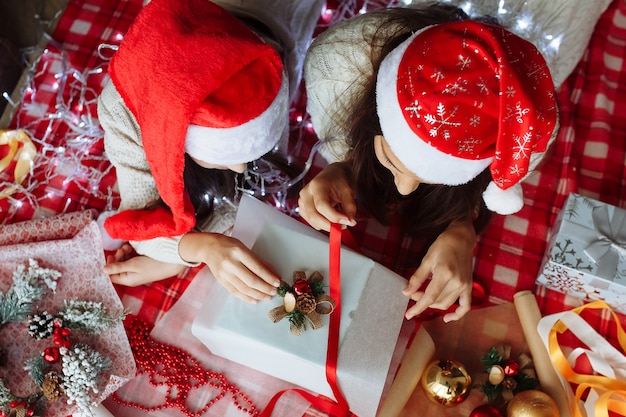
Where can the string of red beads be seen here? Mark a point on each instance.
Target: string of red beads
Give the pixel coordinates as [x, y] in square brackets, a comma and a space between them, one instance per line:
[170, 366]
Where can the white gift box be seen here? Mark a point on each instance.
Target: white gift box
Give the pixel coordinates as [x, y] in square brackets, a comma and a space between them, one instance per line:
[372, 313]
[585, 257]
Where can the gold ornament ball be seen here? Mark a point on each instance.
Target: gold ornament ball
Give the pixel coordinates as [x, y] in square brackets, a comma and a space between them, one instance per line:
[532, 403]
[446, 382]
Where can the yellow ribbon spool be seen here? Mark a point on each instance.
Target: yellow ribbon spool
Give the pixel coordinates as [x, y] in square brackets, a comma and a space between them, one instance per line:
[24, 157]
[613, 397]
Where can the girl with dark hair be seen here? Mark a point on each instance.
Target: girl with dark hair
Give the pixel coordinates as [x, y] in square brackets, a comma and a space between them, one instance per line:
[431, 118]
[197, 91]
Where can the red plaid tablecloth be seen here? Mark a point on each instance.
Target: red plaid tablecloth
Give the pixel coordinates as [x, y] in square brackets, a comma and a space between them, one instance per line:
[588, 157]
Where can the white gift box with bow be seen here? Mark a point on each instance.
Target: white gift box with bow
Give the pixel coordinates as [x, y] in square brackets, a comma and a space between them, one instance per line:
[586, 255]
[372, 314]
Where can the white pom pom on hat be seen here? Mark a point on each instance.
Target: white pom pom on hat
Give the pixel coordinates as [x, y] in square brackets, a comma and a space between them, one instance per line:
[460, 97]
[504, 202]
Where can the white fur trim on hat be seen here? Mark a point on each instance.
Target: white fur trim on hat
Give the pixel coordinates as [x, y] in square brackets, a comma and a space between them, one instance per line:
[425, 161]
[504, 202]
[245, 142]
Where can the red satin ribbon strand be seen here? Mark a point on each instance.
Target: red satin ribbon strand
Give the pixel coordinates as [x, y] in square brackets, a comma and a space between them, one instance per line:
[335, 318]
[321, 403]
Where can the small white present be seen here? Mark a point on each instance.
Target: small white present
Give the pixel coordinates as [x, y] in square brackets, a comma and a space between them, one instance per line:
[586, 255]
[372, 313]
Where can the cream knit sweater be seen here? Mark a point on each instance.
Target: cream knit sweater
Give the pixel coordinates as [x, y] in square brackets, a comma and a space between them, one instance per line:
[122, 141]
[293, 22]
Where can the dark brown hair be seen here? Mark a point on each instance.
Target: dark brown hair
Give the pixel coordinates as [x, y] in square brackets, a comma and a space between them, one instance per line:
[428, 210]
[205, 185]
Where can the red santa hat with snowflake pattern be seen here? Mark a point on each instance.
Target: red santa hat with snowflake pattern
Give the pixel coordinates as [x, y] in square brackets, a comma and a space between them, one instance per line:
[197, 80]
[456, 98]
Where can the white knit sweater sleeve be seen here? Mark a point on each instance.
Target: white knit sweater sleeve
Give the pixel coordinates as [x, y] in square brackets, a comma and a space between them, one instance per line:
[122, 142]
[336, 68]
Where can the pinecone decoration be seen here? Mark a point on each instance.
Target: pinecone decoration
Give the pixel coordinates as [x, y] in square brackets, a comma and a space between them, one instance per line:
[41, 325]
[306, 303]
[509, 383]
[51, 387]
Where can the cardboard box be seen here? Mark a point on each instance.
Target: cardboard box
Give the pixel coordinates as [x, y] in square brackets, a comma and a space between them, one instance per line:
[586, 253]
[372, 313]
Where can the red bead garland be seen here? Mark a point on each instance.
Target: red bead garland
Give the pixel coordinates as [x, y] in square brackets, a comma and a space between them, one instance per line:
[170, 366]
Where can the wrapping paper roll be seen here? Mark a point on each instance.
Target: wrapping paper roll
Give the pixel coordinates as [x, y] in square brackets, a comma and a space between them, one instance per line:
[414, 361]
[529, 316]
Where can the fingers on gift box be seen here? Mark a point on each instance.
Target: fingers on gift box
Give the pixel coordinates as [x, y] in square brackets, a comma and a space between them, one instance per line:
[372, 313]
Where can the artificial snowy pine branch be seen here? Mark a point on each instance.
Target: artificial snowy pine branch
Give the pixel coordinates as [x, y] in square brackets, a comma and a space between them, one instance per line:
[88, 316]
[28, 286]
[36, 367]
[5, 395]
[81, 367]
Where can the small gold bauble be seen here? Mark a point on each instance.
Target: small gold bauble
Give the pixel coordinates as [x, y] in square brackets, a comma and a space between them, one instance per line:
[532, 403]
[446, 382]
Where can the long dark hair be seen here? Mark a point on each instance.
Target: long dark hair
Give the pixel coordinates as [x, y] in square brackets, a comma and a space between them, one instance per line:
[428, 210]
[205, 185]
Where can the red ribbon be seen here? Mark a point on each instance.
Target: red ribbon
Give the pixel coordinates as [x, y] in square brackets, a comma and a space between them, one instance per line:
[335, 318]
[340, 408]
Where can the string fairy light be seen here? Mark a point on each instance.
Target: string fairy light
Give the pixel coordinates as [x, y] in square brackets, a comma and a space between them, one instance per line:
[67, 135]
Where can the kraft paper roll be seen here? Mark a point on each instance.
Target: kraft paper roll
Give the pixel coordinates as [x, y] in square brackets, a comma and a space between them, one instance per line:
[412, 366]
[529, 316]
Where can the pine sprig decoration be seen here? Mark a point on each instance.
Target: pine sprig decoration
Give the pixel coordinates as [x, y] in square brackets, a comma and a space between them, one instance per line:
[283, 289]
[490, 359]
[81, 367]
[491, 391]
[524, 383]
[28, 287]
[88, 316]
[36, 369]
[297, 319]
[506, 377]
[317, 286]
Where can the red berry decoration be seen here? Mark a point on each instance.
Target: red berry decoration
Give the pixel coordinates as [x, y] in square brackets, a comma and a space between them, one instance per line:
[61, 337]
[486, 410]
[51, 354]
[302, 286]
[510, 366]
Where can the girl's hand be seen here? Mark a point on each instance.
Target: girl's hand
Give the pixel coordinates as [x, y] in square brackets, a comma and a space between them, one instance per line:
[449, 264]
[234, 266]
[125, 267]
[329, 197]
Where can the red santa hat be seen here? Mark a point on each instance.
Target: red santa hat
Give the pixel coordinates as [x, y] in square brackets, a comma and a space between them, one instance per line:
[197, 80]
[456, 98]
